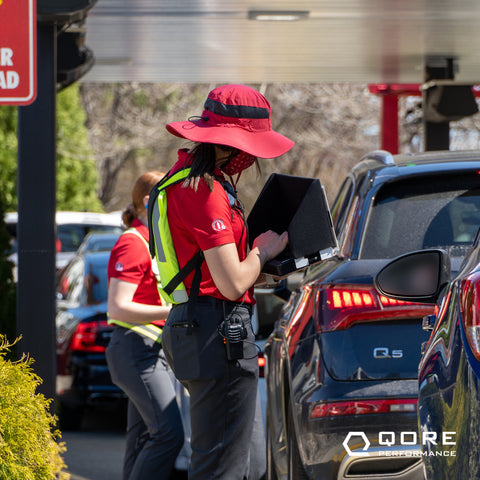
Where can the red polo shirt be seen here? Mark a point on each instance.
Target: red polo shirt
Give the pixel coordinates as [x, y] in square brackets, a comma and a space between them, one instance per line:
[204, 219]
[130, 261]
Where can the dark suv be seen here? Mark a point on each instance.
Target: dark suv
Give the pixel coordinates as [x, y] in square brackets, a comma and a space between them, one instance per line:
[341, 363]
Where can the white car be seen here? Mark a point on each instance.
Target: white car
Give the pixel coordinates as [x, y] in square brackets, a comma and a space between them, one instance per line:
[71, 229]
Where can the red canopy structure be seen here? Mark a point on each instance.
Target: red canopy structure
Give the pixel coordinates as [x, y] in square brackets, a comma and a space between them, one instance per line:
[389, 116]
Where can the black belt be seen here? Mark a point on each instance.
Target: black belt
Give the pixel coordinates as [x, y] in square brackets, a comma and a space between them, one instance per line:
[218, 301]
[214, 302]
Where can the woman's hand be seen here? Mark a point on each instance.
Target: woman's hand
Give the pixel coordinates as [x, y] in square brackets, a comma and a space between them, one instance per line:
[234, 277]
[270, 244]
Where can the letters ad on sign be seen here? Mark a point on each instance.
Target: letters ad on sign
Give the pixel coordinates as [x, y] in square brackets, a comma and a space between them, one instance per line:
[18, 51]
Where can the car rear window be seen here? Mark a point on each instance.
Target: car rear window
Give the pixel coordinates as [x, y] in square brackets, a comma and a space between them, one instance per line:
[426, 212]
[96, 282]
[70, 236]
[85, 280]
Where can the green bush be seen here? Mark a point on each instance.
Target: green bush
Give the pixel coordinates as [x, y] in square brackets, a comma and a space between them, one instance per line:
[29, 442]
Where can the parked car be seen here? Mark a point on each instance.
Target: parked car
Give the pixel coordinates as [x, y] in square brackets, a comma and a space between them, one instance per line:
[341, 363]
[71, 230]
[449, 371]
[267, 310]
[82, 331]
[98, 242]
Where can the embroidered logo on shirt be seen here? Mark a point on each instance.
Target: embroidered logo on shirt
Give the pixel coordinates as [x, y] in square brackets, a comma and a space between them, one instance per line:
[119, 267]
[218, 225]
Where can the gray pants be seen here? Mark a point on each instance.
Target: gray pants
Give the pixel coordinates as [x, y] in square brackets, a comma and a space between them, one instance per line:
[228, 439]
[154, 426]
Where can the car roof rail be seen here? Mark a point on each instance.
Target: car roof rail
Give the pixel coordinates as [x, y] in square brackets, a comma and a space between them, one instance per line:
[380, 156]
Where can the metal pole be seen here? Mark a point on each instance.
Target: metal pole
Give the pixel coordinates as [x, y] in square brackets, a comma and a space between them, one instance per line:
[36, 217]
[437, 134]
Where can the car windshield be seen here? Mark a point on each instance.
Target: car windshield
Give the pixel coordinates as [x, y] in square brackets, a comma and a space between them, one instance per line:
[422, 213]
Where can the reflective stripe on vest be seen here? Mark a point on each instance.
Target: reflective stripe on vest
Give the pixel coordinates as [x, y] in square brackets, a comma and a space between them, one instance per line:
[148, 330]
[165, 255]
[155, 271]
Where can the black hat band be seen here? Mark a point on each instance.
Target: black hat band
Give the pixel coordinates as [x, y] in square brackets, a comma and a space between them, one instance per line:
[236, 111]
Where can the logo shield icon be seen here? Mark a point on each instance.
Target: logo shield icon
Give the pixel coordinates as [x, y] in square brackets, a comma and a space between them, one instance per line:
[356, 453]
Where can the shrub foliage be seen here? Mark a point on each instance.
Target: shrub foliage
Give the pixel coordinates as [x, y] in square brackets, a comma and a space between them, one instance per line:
[29, 442]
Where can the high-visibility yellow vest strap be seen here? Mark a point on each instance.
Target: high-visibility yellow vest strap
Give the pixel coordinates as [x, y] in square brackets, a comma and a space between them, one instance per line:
[134, 231]
[148, 330]
[164, 250]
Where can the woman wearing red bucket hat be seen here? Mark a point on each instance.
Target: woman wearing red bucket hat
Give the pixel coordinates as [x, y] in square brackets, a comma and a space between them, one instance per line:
[208, 340]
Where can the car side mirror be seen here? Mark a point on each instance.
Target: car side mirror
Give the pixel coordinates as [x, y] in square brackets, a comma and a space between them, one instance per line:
[415, 277]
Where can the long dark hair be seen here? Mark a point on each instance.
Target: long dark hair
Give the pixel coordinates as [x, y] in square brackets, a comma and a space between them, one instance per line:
[203, 165]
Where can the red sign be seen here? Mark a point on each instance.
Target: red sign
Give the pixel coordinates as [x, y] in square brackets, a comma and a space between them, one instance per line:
[18, 52]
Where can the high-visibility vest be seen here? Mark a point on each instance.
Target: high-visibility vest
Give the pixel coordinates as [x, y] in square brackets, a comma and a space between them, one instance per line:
[149, 329]
[171, 286]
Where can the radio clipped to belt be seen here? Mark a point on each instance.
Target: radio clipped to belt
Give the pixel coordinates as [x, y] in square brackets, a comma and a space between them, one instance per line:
[233, 331]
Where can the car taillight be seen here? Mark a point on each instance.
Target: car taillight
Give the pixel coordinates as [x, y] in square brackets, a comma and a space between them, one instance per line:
[362, 407]
[261, 364]
[85, 337]
[469, 305]
[342, 306]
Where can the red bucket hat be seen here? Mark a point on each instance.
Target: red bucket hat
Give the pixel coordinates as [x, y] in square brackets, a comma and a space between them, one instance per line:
[237, 116]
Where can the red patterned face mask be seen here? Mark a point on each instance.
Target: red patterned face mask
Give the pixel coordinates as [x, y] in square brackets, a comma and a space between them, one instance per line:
[238, 163]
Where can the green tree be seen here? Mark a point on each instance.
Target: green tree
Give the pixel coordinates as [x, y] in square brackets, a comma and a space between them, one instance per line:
[76, 168]
[8, 156]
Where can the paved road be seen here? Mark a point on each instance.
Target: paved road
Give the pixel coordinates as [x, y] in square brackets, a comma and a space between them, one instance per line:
[95, 452]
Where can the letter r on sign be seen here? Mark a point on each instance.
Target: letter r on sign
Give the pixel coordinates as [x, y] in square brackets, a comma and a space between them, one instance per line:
[6, 55]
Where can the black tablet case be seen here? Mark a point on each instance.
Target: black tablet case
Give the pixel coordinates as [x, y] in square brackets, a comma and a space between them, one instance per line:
[297, 205]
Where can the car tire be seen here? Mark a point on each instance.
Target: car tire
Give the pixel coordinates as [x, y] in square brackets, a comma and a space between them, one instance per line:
[295, 466]
[271, 473]
[70, 417]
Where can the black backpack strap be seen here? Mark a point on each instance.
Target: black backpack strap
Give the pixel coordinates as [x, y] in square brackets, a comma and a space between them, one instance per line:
[195, 263]
[151, 201]
[183, 273]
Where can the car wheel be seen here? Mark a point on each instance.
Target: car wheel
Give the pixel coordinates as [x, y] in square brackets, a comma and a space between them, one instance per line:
[295, 466]
[271, 473]
[70, 417]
